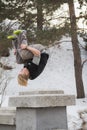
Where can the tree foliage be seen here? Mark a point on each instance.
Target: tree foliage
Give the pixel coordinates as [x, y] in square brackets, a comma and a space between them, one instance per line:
[83, 4]
[26, 11]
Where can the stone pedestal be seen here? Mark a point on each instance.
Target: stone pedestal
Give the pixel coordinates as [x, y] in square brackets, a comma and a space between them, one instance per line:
[40, 111]
[41, 119]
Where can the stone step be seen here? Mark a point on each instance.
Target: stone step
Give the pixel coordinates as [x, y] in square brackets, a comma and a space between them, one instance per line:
[42, 92]
[7, 116]
[42, 100]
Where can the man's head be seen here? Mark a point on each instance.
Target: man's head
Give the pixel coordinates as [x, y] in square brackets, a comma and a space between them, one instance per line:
[23, 77]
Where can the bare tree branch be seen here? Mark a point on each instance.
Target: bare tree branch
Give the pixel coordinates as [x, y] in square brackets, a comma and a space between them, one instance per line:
[57, 43]
[82, 46]
[84, 62]
[5, 67]
[3, 90]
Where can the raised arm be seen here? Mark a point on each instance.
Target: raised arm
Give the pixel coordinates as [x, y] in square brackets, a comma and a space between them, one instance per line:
[33, 50]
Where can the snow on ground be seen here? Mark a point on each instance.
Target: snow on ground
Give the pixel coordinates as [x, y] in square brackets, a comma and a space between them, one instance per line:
[57, 75]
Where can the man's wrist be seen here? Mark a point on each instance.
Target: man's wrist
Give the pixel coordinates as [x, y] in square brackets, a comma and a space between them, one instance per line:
[27, 47]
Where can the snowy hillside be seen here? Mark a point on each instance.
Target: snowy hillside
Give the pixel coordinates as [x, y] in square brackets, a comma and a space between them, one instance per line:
[58, 75]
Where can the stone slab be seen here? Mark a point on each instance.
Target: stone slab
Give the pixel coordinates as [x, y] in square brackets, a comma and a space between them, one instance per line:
[41, 100]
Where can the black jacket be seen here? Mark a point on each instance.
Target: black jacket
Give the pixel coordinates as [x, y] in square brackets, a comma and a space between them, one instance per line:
[35, 70]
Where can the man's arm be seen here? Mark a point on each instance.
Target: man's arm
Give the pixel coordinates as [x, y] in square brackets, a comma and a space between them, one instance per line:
[33, 50]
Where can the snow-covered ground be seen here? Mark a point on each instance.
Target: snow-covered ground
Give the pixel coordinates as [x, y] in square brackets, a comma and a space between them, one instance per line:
[57, 75]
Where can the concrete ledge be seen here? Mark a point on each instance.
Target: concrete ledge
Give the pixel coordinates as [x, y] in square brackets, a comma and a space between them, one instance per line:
[7, 116]
[7, 110]
[41, 100]
[42, 92]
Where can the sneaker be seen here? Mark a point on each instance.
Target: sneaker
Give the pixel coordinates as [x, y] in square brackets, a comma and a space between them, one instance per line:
[17, 32]
[12, 37]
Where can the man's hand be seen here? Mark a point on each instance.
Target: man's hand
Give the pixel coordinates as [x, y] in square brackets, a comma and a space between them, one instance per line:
[14, 51]
[33, 50]
[23, 46]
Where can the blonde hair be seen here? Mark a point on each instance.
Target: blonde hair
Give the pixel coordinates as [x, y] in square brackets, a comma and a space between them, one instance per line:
[23, 79]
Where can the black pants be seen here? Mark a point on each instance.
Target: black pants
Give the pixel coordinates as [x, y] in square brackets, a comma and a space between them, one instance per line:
[36, 70]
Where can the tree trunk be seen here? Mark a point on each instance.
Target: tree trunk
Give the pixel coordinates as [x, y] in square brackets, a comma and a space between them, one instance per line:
[76, 52]
[39, 15]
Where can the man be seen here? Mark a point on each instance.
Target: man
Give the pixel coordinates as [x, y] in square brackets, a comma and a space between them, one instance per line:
[33, 67]
[34, 57]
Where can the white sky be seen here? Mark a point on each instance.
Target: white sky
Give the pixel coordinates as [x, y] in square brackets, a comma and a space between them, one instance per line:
[65, 13]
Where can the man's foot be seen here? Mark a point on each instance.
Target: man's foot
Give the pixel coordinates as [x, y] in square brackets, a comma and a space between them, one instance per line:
[12, 37]
[17, 32]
